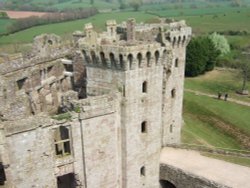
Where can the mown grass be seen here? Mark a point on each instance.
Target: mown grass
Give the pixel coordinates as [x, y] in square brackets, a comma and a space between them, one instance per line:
[200, 130]
[69, 27]
[219, 80]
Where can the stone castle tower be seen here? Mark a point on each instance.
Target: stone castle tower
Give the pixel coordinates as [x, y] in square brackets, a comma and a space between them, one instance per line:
[146, 64]
[127, 86]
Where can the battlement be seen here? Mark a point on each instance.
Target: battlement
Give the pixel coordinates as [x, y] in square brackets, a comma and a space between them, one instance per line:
[129, 46]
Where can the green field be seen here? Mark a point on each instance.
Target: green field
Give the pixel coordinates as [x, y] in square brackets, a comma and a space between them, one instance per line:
[71, 26]
[70, 4]
[4, 23]
[86, 3]
[202, 21]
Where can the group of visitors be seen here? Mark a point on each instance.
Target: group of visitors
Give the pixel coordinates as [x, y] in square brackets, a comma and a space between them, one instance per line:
[225, 96]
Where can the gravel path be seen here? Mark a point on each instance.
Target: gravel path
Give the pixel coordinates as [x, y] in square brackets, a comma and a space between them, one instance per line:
[225, 173]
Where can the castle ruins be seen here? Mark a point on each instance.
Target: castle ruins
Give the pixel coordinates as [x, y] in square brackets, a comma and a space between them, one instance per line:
[94, 113]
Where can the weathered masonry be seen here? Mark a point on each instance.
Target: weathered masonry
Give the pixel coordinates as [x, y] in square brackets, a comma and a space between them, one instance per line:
[94, 113]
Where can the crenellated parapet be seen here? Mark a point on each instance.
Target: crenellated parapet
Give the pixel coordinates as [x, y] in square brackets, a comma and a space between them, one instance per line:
[127, 46]
[125, 58]
[179, 34]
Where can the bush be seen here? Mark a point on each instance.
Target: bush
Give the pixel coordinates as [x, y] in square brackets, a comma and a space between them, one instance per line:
[3, 15]
[201, 56]
[220, 43]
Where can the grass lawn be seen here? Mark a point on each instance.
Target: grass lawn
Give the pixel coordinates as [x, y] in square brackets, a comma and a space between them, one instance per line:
[71, 26]
[212, 19]
[203, 117]
[199, 132]
[218, 80]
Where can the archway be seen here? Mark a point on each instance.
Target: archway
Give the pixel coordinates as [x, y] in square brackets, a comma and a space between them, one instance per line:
[166, 184]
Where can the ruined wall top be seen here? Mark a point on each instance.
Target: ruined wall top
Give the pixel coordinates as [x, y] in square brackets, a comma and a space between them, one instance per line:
[45, 47]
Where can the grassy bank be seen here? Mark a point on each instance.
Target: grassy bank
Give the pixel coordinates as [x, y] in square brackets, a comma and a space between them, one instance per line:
[214, 123]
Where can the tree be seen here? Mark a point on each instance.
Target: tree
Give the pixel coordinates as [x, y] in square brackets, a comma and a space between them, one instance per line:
[135, 4]
[220, 43]
[201, 56]
[211, 52]
[244, 66]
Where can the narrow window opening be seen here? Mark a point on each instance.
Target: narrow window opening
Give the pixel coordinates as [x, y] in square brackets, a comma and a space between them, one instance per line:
[112, 59]
[148, 56]
[5, 93]
[42, 75]
[171, 128]
[144, 87]
[157, 56]
[93, 57]
[20, 83]
[85, 56]
[121, 60]
[62, 141]
[143, 171]
[174, 41]
[103, 59]
[130, 59]
[2, 174]
[50, 42]
[49, 69]
[112, 31]
[139, 57]
[144, 127]
[176, 62]
[179, 41]
[123, 91]
[173, 93]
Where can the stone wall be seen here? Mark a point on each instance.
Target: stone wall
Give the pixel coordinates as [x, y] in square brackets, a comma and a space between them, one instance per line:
[182, 179]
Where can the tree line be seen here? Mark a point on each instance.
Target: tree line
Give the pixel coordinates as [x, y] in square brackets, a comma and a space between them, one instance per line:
[49, 18]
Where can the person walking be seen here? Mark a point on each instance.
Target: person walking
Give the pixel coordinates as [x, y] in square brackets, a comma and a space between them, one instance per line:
[226, 96]
[219, 95]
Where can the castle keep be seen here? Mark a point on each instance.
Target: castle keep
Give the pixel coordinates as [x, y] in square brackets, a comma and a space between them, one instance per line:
[94, 113]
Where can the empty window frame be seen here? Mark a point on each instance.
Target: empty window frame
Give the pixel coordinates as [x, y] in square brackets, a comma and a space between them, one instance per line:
[143, 171]
[2, 174]
[62, 141]
[173, 93]
[176, 63]
[171, 128]
[144, 127]
[130, 60]
[20, 83]
[144, 87]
